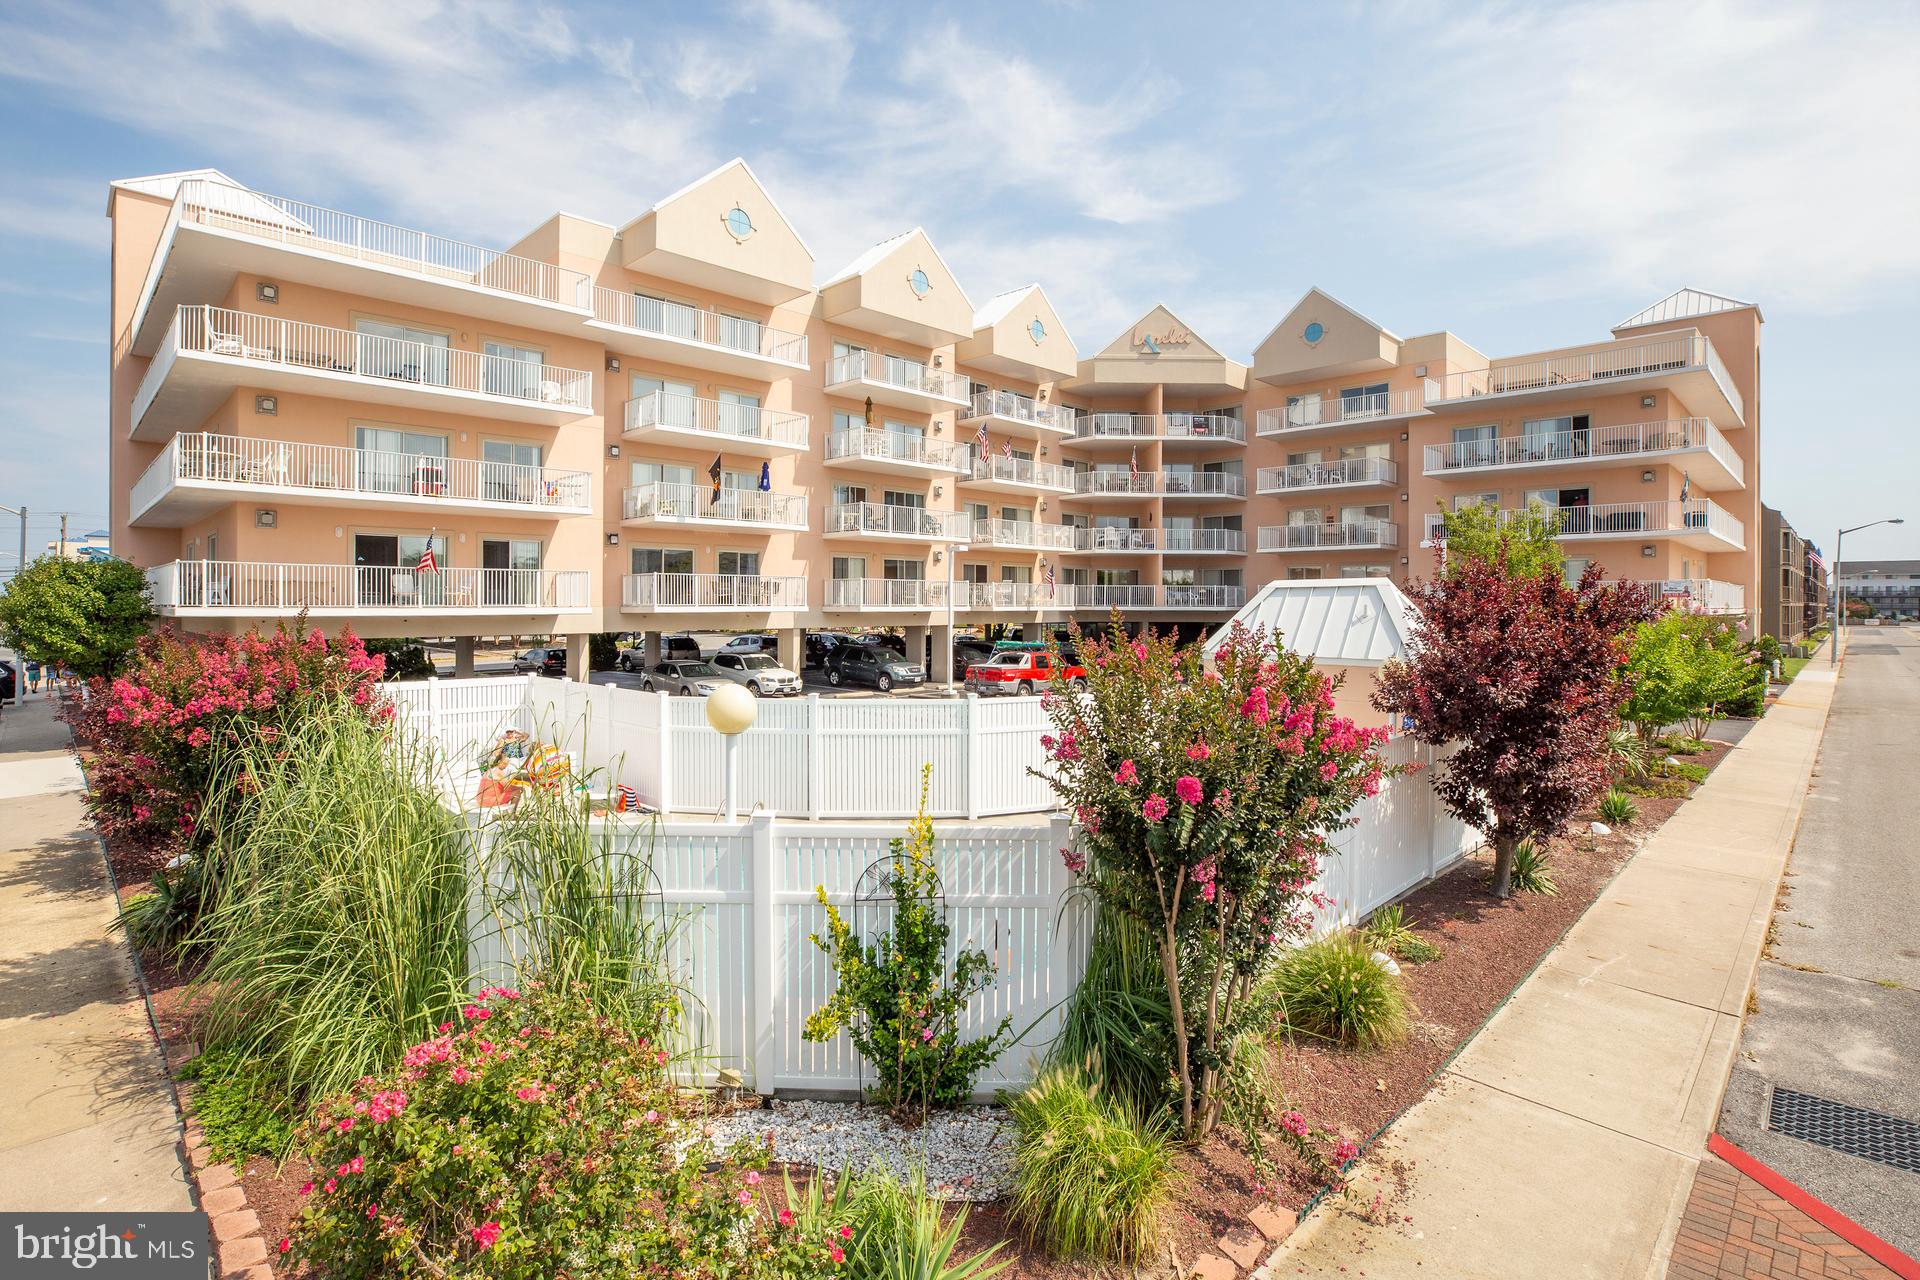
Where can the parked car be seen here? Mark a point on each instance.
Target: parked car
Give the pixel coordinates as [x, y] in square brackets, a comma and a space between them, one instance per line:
[886, 640]
[751, 644]
[759, 672]
[821, 643]
[678, 648]
[967, 650]
[1022, 670]
[688, 679]
[547, 662]
[872, 664]
[8, 687]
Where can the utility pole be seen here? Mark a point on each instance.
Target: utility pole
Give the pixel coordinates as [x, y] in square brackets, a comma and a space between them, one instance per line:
[63, 535]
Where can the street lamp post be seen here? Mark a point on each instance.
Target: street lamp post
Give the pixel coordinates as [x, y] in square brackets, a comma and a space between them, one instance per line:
[730, 710]
[1840, 592]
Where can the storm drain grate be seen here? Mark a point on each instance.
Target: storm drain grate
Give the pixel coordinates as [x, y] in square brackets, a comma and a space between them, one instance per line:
[1853, 1130]
[1874, 650]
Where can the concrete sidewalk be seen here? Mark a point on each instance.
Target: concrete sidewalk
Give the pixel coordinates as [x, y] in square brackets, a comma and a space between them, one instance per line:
[90, 1121]
[1563, 1140]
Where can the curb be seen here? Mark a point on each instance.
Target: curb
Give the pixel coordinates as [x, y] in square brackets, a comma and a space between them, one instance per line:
[1821, 1212]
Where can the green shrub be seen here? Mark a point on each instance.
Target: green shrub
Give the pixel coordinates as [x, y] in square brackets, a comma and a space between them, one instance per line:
[405, 659]
[1681, 745]
[1089, 1180]
[1390, 931]
[1684, 770]
[536, 1139]
[1628, 753]
[1332, 988]
[161, 918]
[1531, 871]
[1666, 788]
[895, 998]
[1118, 1026]
[900, 1231]
[603, 651]
[1617, 808]
[241, 1107]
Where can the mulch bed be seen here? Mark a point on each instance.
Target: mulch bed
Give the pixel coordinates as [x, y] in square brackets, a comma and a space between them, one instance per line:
[1488, 948]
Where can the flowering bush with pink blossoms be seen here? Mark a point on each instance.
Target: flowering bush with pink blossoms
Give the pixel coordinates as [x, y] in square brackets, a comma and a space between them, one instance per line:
[162, 726]
[1204, 798]
[532, 1138]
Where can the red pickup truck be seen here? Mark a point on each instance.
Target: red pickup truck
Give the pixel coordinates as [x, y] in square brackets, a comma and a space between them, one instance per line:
[1022, 671]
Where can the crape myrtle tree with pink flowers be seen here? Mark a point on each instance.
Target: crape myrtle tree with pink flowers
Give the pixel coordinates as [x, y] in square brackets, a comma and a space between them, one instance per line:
[1204, 799]
[1522, 676]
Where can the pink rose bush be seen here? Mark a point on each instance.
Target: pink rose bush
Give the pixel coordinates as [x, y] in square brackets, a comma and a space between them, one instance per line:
[161, 728]
[1204, 798]
[541, 1140]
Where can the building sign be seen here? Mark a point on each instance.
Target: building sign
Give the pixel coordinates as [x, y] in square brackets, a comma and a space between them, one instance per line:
[1153, 344]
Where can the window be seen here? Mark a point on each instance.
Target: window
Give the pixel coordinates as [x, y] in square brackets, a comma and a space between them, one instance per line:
[395, 460]
[902, 570]
[1474, 446]
[508, 370]
[386, 350]
[847, 494]
[849, 567]
[901, 498]
[739, 413]
[386, 569]
[1302, 573]
[662, 560]
[1365, 571]
[745, 564]
[1363, 402]
[661, 473]
[673, 404]
[657, 315]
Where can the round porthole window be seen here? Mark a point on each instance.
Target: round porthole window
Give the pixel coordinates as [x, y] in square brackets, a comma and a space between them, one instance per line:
[739, 223]
[1037, 331]
[919, 283]
[1314, 332]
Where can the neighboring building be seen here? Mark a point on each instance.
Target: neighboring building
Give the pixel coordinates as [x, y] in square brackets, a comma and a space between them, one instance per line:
[96, 545]
[668, 424]
[1793, 580]
[1892, 587]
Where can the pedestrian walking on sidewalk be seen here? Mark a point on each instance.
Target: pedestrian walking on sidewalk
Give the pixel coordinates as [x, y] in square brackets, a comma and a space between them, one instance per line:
[33, 674]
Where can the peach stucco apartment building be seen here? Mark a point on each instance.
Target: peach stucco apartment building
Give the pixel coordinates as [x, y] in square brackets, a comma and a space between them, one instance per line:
[678, 423]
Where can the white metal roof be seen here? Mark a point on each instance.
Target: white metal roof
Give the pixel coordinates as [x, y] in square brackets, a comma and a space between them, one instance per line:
[1341, 621]
[1683, 304]
[874, 256]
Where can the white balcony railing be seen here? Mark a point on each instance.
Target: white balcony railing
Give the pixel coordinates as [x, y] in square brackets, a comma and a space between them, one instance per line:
[1704, 595]
[1012, 595]
[711, 591]
[1203, 484]
[1015, 407]
[1697, 516]
[1116, 426]
[1337, 535]
[1675, 354]
[245, 588]
[1154, 426]
[886, 593]
[1108, 538]
[1178, 540]
[895, 446]
[246, 463]
[310, 227]
[1337, 474]
[1143, 483]
[1104, 596]
[312, 348]
[668, 502]
[1027, 534]
[996, 466]
[885, 520]
[721, 419]
[1338, 410]
[1202, 426]
[1626, 442]
[1202, 595]
[698, 325]
[895, 371]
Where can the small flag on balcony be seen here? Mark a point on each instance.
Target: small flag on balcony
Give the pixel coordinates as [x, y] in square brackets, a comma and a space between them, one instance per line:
[1006, 449]
[766, 477]
[1686, 484]
[985, 443]
[427, 563]
[1133, 464]
[1047, 574]
[714, 473]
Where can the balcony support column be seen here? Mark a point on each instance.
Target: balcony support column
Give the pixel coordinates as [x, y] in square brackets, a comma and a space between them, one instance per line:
[793, 648]
[577, 646]
[941, 669]
[650, 651]
[462, 657]
[916, 644]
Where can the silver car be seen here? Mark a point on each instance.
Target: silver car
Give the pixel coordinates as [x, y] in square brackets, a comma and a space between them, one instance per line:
[761, 674]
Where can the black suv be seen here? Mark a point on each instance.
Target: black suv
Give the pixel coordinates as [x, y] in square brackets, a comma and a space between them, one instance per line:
[872, 664]
[548, 662]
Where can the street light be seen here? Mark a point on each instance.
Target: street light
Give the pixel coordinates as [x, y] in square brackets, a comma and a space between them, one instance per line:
[1840, 592]
[730, 710]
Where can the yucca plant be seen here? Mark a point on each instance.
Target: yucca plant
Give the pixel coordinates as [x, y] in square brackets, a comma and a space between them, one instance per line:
[1627, 752]
[901, 1232]
[1617, 808]
[1333, 988]
[1391, 931]
[1531, 871]
[1090, 1180]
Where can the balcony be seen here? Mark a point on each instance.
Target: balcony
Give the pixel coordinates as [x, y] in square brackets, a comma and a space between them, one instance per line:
[1701, 595]
[1023, 535]
[1201, 542]
[1014, 414]
[216, 231]
[1697, 523]
[894, 453]
[1102, 597]
[882, 521]
[209, 352]
[1710, 460]
[198, 474]
[661, 504]
[1686, 362]
[1116, 484]
[688, 422]
[1326, 413]
[1342, 473]
[710, 593]
[226, 588]
[997, 473]
[1345, 535]
[1196, 596]
[1203, 484]
[1177, 428]
[890, 380]
[1108, 540]
[908, 595]
[1101, 428]
[695, 337]
[1202, 596]
[1021, 596]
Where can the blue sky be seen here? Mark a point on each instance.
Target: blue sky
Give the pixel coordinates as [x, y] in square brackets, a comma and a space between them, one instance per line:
[1524, 175]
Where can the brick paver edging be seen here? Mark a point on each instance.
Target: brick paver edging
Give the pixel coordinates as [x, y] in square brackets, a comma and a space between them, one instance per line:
[1829, 1218]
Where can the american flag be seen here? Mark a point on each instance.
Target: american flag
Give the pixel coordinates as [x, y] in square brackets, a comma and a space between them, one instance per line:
[1133, 464]
[986, 445]
[427, 563]
[1047, 577]
[1006, 449]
